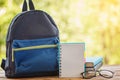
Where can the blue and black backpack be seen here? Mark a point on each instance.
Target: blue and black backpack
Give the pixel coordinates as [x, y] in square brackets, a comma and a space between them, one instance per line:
[31, 44]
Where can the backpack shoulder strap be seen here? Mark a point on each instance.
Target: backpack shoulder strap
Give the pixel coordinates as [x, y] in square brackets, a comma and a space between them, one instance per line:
[3, 64]
[31, 5]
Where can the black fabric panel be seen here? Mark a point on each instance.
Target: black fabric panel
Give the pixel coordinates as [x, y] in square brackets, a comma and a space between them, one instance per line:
[33, 25]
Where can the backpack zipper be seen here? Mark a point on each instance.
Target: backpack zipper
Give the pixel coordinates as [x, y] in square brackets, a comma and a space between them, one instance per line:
[32, 47]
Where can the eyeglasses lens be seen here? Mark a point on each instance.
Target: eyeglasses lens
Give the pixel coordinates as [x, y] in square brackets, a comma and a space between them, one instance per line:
[106, 73]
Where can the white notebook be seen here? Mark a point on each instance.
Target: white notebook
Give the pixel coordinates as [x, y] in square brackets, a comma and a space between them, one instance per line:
[71, 61]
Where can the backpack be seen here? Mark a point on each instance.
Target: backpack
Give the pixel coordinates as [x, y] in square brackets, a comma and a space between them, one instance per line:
[31, 45]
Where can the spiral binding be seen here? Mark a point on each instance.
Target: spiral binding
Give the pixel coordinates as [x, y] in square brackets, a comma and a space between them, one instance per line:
[59, 60]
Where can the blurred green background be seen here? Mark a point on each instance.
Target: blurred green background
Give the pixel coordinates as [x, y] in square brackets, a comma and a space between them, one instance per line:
[96, 22]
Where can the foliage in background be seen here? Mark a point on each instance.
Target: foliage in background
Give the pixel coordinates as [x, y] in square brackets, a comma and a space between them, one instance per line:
[94, 22]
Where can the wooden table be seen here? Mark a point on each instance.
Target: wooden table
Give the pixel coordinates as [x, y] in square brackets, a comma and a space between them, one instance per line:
[114, 68]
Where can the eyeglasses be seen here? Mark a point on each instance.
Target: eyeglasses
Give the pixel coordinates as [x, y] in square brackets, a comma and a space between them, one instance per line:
[93, 73]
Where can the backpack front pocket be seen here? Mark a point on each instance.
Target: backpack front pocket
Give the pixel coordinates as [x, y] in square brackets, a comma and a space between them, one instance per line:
[35, 56]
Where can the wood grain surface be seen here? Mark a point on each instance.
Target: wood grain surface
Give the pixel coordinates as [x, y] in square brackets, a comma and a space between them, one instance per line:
[114, 68]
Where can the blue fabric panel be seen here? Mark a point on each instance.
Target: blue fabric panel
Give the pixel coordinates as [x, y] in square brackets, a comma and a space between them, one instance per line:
[35, 60]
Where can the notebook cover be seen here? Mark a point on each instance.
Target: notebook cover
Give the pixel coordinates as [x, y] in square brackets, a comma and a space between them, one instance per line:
[71, 62]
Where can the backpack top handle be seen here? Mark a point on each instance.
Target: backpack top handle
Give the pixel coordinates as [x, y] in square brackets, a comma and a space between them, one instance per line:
[31, 5]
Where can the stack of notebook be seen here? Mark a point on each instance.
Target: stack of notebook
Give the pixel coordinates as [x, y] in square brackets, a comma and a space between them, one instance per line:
[93, 63]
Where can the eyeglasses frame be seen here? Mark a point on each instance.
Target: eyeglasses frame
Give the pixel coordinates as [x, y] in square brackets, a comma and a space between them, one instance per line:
[96, 73]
